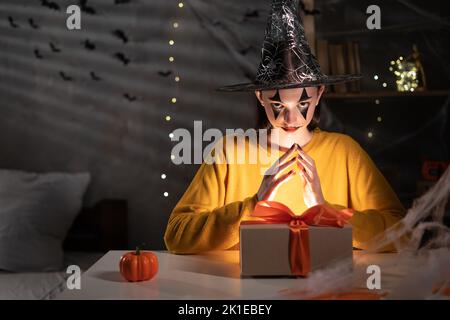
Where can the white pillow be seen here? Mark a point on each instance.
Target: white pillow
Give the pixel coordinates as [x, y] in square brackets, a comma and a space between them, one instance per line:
[36, 212]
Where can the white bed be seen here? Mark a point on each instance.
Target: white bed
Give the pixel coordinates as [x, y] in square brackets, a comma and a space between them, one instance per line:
[42, 285]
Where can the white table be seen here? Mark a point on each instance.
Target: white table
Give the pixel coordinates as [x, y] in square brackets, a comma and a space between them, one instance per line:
[215, 275]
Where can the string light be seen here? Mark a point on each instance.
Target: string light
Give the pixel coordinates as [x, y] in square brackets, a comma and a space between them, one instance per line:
[163, 176]
[377, 101]
[180, 5]
[177, 79]
[176, 25]
[379, 119]
[370, 134]
[406, 74]
[171, 135]
[171, 42]
[174, 100]
[375, 77]
[168, 118]
[172, 157]
[171, 59]
[166, 194]
[384, 84]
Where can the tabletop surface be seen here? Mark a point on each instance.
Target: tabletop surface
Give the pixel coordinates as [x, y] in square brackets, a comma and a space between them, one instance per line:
[215, 275]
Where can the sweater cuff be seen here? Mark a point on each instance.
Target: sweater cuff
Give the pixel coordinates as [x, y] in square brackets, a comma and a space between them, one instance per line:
[248, 205]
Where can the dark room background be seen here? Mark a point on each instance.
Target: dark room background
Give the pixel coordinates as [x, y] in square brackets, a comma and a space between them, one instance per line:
[105, 98]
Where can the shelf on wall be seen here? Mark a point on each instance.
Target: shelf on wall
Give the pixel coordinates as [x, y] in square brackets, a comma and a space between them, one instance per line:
[386, 94]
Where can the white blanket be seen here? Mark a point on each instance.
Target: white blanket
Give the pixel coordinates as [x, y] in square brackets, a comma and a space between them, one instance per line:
[42, 285]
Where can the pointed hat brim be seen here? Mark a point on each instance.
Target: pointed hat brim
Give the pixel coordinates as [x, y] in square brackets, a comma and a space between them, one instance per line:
[324, 80]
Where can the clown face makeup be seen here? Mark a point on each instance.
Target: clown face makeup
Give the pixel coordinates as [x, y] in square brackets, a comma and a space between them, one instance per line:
[290, 109]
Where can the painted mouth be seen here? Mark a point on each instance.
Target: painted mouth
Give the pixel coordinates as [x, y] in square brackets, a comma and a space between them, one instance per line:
[290, 129]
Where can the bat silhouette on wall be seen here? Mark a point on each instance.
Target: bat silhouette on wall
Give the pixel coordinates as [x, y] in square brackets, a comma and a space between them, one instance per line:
[64, 76]
[94, 76]
[84, 7]
[37, 54]
[54, 48]
[32, 24]
[89, 45]
[165, 73]
[122, 58]
[245, 50]
[121, 1]
[12, 23]
[129, 97]
[50, 5]
[251, 14]
[121, 35]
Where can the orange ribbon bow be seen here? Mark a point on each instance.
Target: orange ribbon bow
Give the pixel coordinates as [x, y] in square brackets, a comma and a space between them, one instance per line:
[319, 216]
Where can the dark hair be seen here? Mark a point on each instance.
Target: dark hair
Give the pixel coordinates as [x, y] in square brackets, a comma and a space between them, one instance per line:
[263, 123]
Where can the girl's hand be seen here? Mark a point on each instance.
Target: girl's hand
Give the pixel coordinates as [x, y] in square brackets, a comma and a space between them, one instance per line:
[312, 191]
[274, 176]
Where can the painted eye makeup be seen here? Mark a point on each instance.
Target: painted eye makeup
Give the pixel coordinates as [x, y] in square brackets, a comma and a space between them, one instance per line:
[276, 105]
[304, 104]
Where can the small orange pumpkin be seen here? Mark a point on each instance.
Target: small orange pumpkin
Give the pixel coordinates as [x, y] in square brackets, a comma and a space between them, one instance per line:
[138, 265]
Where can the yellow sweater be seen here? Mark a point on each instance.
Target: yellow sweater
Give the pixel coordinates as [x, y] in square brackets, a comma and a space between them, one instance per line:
[220, 196]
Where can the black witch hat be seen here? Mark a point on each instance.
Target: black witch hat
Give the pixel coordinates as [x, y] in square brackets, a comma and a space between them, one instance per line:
[287, 61]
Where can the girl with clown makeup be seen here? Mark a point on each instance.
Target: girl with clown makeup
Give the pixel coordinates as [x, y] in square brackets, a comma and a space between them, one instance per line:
[310, 167]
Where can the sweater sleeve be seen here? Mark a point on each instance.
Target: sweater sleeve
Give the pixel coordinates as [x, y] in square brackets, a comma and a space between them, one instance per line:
[376, 206]
[202, 221]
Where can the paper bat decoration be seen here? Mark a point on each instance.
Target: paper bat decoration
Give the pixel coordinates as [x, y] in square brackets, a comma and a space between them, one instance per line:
[121, 35]
[85, 8]
[94, 76]
[54, 48]
[245, 50]
[165, 73]
[129, 97]
[37, 54]
[122, 58]
[50, 5]
[32, 24]
[251, 14]
[12, 23]
[65, 77]
[89, 45]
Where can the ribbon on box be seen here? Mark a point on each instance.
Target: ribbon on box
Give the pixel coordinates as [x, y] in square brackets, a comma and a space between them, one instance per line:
[272, 212]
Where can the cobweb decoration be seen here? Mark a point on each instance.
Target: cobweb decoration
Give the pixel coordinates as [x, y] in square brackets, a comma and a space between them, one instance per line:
[421, 269]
